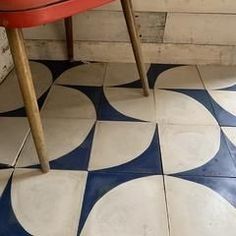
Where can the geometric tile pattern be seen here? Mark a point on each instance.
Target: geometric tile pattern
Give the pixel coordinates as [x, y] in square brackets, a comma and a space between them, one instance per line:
[122, 163]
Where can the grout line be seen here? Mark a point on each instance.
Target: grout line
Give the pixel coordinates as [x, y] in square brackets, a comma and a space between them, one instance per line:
[46, 99]
[164, 185]
[200, 76]
[166, 205]
[92, 144]
[208, 95]
[200, 176]
[105, 74]
[21, 147]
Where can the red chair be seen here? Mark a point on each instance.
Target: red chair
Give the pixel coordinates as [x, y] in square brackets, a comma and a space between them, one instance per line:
[18, 14]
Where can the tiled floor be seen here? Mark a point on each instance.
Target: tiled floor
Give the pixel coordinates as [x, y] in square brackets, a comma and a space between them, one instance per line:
[122, 164]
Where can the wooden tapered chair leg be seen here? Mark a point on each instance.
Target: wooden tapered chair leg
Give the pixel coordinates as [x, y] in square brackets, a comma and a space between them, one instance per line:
[22, 68]
[136, 44]
[69, 37]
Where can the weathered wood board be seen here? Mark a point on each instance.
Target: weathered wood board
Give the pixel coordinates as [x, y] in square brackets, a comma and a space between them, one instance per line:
[172, 31]
[5, 56]
[103, 26]
[194, 6]
[121, 52]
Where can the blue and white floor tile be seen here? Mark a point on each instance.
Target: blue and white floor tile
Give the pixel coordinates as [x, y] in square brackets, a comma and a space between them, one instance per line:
[176, 107]
[183, 147]
[123, 74]
[91, 74]
[122, 163]
[42, 204]
[126, 104]
[134, 207]
[196, 210]
[224, 106]
[68, 141]
[42, 78]
[195, 151]
[182, 77]
[230, 133]
[218, 77]
[65, 102]
[13, 132]
[125, 147]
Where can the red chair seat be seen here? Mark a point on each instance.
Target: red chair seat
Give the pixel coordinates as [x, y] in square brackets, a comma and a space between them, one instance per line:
[28, 13]
[16, 5]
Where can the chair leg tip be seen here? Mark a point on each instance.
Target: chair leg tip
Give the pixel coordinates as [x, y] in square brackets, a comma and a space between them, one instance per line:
[45, 168]
[146, 92]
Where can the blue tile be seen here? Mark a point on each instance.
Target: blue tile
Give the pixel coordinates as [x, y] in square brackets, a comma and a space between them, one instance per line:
[148, 162]
[9, 225]
[4, 166]
[220, 165]
[232, 149]
[155, 70]
[98, 184]
[93, 93]
[152, 74]
[232, 89]
[21, 111]
[199, 95]
[223, 117]
[226, 187]
[134, 84]
[77, 159]
[58, 67]
[109, 113]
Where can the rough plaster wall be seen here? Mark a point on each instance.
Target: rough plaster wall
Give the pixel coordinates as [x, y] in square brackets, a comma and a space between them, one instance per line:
[5, 56]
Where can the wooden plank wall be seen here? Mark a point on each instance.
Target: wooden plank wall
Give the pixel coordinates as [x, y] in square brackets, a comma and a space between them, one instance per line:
[172, 31]
[5, 56]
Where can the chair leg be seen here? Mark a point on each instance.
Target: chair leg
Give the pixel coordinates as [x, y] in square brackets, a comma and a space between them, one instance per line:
[16, 42]
[136, 44]
[69, 37]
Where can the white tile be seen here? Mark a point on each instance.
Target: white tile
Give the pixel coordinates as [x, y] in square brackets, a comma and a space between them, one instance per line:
[131, 102]
[64, 102]
[62, 136]
[177, 108]
[183, 77]
[121, 73]
[218, 77]
[183, 147]
[91, 74]
[13, 132]
[5, 175]
[226, 99]
[136, 208]
[42, 78]
[116, 143]
[48, 204]
[197, 210]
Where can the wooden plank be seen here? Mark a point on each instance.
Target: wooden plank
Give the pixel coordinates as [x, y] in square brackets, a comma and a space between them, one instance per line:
[6, 63]
[103, 26]
[200, 29]
[194, 6]
[121, 52]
